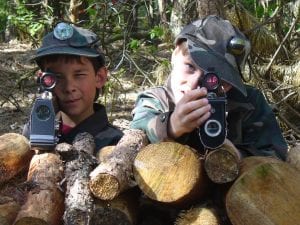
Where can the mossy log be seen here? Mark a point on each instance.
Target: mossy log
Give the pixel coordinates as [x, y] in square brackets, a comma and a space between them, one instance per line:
[45, 202]
[266, 193]
[171, 173]
[9, 209]
[222, 164]
[15, 155]
[78, 200]
[114, 175]
[122, 210]
[198, 215]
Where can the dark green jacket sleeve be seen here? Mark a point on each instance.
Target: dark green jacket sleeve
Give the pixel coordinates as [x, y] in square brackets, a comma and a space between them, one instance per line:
[151, 115]
[260, 132]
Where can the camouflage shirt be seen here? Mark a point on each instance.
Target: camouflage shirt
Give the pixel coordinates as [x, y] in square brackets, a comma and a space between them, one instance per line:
[251, 123]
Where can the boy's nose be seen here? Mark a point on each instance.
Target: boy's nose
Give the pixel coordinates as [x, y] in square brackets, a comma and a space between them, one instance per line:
[68, 85]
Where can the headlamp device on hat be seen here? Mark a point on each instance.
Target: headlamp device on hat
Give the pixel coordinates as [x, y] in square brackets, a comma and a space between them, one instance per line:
[68, 39]
[215, 43]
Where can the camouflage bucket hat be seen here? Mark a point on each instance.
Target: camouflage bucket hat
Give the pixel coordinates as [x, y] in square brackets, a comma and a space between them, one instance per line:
[217, 46]
[67, 39]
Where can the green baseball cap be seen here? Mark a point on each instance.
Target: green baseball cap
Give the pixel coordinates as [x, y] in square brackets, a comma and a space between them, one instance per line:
[215, 45]
[68, 39]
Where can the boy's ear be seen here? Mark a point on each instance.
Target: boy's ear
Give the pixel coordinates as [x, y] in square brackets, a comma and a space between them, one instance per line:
[101, 77]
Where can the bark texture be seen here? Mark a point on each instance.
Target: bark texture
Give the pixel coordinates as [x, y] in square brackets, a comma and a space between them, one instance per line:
[45, 202]
[122, 210]
[114, 175]
[9, 209]
[78, 201]
[294, 156]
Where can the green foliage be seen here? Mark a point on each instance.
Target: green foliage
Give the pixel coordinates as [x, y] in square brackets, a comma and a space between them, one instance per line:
[156, 32]
[134, 44]
[3, 15]
[27, 22]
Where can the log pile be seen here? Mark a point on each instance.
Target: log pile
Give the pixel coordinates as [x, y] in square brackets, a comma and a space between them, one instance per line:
[137, 183]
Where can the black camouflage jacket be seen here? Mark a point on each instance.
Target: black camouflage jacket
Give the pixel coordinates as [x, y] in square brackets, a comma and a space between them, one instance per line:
[251, 123]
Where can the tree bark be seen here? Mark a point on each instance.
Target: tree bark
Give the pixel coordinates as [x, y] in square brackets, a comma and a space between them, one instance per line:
[222, 164]
[45, 202]
[114, 175]
[122, 210]
[9, 209]
[78, 200]
[266, 193]
[294, 156]
[171, 173]
[15, 155]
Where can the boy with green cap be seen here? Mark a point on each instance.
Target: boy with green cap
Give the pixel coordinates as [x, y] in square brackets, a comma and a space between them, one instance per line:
[73, 55]
[205, 50]
[178, 110]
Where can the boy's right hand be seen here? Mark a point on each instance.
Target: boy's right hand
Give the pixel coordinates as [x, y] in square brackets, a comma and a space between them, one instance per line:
[190, 112]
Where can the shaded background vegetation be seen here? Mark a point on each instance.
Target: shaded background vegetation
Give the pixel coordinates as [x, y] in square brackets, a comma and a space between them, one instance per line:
[137, 38]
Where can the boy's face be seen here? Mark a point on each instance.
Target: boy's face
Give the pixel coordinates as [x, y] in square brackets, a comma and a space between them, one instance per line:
[76, 86]
[184, 76]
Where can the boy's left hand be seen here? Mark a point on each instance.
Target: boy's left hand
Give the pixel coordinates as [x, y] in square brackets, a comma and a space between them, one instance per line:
[190, 112]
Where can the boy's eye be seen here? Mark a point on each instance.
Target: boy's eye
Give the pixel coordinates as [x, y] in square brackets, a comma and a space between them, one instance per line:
[190, 67]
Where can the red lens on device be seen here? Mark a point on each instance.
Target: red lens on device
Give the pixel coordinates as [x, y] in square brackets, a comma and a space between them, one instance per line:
[211, 81]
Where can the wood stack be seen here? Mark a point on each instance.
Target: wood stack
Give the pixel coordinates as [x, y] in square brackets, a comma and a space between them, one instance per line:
[136, 183]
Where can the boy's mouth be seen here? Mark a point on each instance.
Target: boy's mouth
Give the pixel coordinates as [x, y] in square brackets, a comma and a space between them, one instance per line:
[72, 101]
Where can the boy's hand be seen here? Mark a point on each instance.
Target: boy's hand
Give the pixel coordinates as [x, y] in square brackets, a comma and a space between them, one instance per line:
[190, 112]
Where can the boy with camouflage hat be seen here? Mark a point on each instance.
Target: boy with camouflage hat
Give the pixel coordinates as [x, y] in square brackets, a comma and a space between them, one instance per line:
[176, 110]
[73, 55]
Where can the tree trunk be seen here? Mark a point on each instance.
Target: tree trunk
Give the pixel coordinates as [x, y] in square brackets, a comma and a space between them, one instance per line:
[45, 202]
[169, 172]
[9, 209]
[266, 193]
[78, 200]
[183, 12]
[210, 7]
[114, 175]
[222, 164]
[15, 155]
[186, 11]
[198, 215]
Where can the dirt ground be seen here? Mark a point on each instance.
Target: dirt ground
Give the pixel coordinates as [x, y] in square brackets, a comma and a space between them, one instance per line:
[18, 90]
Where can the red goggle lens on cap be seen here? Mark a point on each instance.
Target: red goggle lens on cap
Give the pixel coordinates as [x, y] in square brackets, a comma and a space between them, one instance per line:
[47, 80]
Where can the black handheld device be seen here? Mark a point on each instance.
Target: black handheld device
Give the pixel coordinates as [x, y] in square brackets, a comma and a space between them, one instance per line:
[44, 127]
[214, 130]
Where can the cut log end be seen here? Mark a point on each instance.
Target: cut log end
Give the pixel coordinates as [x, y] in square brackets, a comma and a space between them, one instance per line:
[198, 215]
[104, 186]
[168, 172]
[266, 193]
[31, 221]
[221, 166]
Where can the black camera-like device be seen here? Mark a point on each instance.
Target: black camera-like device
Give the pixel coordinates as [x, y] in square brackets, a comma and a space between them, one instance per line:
[44, 127]
[214, 130]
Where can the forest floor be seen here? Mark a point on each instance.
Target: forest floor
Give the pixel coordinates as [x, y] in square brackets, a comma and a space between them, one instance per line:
[18, 90]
